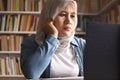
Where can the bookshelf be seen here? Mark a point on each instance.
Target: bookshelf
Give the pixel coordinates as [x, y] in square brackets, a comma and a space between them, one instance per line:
[21, 32]
[20, 12]
[12, 77]
[15, 15]
[15, 36]
[108, 6]
[109, 12]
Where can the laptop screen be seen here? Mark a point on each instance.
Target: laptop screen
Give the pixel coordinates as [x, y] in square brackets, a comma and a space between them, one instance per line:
[102, 51]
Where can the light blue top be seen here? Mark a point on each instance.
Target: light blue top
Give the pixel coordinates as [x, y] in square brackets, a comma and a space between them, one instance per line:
[35, 60]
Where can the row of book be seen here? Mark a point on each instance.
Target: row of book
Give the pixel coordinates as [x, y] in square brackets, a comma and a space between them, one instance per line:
[10, 42]
[112, 16]
[18, 22]
[22, 22]
[82, 23]
[10, 66]
[21, 5]
[103, 3]
[36, 5]
[91, 6]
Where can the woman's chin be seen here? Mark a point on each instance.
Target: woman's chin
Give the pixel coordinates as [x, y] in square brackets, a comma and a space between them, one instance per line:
[65, 34]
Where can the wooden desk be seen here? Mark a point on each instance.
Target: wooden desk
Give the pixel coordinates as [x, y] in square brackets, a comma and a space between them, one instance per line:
[64, 78]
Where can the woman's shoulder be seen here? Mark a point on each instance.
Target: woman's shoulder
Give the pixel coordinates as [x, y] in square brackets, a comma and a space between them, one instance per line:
[81, 42]
[79, 39]
[29, 40]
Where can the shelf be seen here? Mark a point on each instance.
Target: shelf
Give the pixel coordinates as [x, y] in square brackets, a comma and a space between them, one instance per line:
[12, 77]
[20, 12]
[10, 52]
[87, 14]
[108, 6]
[28, 32]
[80, 33]
[17, 32]
[38, 13]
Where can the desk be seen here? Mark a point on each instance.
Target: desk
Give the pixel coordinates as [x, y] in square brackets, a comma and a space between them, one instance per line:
[60, 78]
[64, 78]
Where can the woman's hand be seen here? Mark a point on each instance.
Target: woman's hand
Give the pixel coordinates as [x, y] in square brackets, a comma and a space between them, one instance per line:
[49, 28]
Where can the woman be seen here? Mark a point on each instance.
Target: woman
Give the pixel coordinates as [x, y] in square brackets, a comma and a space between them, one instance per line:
[54, 51]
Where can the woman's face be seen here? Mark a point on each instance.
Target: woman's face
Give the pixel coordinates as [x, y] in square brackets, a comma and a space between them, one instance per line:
[66, 20]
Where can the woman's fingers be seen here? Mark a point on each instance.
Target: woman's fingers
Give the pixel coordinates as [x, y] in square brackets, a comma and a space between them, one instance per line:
[49, 28]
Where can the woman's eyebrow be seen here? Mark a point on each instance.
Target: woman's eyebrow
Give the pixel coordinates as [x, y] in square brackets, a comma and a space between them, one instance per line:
[63, 12]
[67, 12]
[74, 13]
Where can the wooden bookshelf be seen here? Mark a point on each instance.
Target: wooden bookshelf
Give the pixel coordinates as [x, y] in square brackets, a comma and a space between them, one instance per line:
[108, 6]
[20, 12]
[110, 13]
[12, 10]
[9, 52]
[12, 77]
[17, 32]
[102, 11]
[25, 32]
[87, 14]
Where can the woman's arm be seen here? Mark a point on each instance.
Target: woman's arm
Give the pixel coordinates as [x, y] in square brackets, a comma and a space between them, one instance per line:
[35, 59]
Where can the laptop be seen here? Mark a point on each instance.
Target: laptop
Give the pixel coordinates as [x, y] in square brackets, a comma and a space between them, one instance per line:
[101, 59]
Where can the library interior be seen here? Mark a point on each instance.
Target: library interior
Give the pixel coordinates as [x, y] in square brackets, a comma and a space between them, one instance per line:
[20, 18]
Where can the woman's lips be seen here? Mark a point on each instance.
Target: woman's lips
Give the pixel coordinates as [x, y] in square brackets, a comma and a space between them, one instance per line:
[67, 28]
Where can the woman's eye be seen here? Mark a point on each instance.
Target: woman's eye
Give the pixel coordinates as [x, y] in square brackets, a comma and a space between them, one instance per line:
[62, 14]
[72, 16]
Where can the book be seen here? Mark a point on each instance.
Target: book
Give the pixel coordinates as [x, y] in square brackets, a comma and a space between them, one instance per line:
[7, 23]
[3, 66]
[1, 5]
[17, 22]
[8, 5]
[4, 42]
[3, 23]
[78, 28]
[29, 21]
[11, 43]
[23, 23]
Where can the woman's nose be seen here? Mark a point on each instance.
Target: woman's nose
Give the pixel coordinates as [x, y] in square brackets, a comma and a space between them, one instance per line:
[68, 19]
